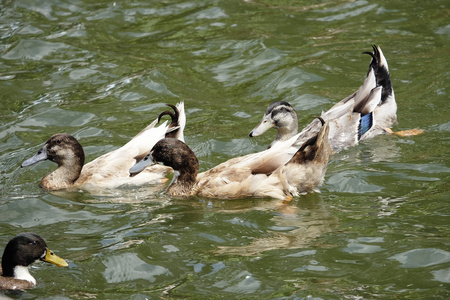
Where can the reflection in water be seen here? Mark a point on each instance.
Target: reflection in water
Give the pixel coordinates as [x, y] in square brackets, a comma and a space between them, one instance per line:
[241, 283]
[389, 206]
[342, 176]
[442, 275]
[128, 267]
[420, 258]
[297, 225]
[34, 50]
[360, 245]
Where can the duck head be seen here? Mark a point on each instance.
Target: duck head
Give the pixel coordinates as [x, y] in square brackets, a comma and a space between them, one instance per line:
[281, 116]
[170, 152]
[176, 154]
[61, 148]
[24, 249]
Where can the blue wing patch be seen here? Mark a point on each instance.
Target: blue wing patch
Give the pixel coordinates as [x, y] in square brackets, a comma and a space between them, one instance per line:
[365, 124]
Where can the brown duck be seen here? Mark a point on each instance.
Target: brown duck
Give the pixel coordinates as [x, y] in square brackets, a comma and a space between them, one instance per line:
[283, 171]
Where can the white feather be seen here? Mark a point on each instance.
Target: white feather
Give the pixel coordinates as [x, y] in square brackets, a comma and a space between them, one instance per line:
[21, 272]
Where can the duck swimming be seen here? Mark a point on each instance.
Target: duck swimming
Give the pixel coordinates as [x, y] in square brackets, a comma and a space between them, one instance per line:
[282, 172]
[366, 113]
[109, 170]
[20, 252]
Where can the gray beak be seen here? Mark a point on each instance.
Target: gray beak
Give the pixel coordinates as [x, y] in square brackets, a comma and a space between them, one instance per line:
[138, 167]
[39, 156]
[266, 123]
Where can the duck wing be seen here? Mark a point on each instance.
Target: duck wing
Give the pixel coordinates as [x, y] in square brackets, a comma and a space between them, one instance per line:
[267, 161]
[250, 175]
[112, 169]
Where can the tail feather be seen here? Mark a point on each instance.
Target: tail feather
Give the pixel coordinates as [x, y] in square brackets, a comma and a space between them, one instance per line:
[363, 92]
[372, 101]
[381, 69]
[178, 123]
[315, 148]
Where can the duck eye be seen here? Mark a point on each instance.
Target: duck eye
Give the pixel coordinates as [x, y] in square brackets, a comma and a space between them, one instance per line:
[58, 141]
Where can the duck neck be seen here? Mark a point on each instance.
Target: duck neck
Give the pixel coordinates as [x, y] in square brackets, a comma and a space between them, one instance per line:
[287, 131]
[65, 176]
[7, 267]
[17, 272]
[22, 273]
[183, 182]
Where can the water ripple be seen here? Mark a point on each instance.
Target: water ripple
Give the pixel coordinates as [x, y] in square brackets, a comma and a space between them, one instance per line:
[420, 258]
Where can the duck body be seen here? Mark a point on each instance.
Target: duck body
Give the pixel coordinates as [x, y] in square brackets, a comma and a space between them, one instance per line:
[364, 114]
[109, 170]
[20, 252]
[282, 172]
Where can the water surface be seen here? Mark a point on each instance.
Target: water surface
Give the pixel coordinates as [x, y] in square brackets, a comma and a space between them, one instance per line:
[102, 71]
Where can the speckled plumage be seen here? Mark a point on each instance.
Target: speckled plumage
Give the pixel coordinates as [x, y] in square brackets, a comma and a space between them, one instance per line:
[374, 98]
[283, 171]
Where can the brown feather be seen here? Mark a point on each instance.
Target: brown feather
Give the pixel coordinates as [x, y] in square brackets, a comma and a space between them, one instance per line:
[10, 283]
[253, 175]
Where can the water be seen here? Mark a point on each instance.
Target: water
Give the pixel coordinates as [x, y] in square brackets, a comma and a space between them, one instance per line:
[379, 227]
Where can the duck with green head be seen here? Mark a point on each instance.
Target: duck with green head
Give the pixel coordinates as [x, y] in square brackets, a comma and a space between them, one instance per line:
[20, 252]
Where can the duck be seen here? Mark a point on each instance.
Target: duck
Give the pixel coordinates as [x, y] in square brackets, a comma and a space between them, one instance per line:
[20, 252]
[111, 169]
[283, 171]
[366, 113]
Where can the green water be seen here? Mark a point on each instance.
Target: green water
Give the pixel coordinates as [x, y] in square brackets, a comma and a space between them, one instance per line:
[379, 229]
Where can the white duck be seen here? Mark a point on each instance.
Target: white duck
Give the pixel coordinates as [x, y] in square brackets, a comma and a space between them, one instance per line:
[366, 113]
[109, 170]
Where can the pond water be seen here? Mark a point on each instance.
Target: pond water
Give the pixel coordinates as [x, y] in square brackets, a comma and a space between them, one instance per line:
[102, 71]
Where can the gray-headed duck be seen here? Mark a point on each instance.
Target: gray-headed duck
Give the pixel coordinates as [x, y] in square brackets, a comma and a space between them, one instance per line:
[109, 170]
[366, 113]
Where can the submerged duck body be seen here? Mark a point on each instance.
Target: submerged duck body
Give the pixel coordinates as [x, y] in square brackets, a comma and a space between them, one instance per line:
[282, 172]
[109, 170]
[364, 114]
[20, 252]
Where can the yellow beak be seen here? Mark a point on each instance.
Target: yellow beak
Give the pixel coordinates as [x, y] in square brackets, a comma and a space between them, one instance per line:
[54, 259]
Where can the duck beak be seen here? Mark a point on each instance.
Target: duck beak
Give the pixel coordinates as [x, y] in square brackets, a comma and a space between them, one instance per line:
[54, 259]
[141, 165]
[265, 124]
[39, 156]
